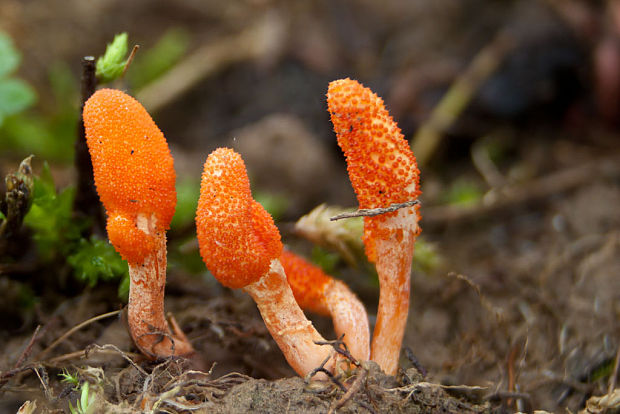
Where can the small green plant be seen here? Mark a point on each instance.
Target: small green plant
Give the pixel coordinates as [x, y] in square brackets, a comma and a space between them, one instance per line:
[85, 405]
[112, 64]
[95, 259]
[58, 234]
[69, 378]
[50, 217]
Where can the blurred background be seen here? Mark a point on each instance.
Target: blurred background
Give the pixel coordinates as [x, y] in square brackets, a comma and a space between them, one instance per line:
[511, 107]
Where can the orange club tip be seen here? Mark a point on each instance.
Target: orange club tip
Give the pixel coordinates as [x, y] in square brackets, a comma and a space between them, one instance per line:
[238, 238]
[381, 165]
[132, 164]
[308, 282]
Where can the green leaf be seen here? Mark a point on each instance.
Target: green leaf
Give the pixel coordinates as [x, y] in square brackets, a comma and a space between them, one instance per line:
[69, 378]
[84, 396]
[44, 184]
[96, 259]
[111, 65]
[50, 217]
[9, 56]
[15, 96]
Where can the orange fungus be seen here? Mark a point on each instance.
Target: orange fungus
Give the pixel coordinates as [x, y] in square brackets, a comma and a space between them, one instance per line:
[238, 239]
[381, 166]
[133, 170]
[307, 281]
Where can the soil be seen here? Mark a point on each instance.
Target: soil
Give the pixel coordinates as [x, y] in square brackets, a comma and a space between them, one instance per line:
[519, 309]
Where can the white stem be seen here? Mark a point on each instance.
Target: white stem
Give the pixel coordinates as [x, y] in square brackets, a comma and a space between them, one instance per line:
[394, 256]
[287, 324]
[350, 318]
[147, 322]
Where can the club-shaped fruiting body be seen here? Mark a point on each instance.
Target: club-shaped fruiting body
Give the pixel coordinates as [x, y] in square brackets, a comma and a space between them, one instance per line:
[135, 179]
[319, 293]
[383, 171]
[240, 245]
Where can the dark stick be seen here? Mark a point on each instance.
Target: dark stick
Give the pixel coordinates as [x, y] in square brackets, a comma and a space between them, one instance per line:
[28, 349]
[86, 203]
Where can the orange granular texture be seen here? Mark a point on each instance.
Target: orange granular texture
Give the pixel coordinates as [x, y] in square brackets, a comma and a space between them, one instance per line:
[237, 237]
[307, 281]
[381, 166]
[133, 169]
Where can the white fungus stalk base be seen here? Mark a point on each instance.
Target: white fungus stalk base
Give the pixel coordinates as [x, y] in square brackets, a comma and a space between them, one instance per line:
[394, 257]
[349, 318]
[286, 322]
[147, 322]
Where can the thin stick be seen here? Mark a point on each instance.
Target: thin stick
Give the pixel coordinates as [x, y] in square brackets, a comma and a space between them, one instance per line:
[83, 353]
[28, 348]
[414, 361]
[341, 348]
[321, 368]
[353, 389]
[86, 202]
[43, 379]
[371, 212]
[75, 329]
[125, 355]
[130, 59]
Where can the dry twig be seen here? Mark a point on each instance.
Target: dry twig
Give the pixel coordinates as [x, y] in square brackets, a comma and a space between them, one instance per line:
[26, 352]
[353, 389]
[114, 348]
[370, 212]
[71, 331]
[132, 55]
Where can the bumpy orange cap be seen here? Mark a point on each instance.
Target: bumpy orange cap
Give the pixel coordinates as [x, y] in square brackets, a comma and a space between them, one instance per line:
[381, 166]
[133, 169]
[307, 281]
[237, 237]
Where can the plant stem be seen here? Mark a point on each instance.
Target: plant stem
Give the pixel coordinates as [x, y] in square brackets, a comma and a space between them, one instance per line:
[86, 203]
